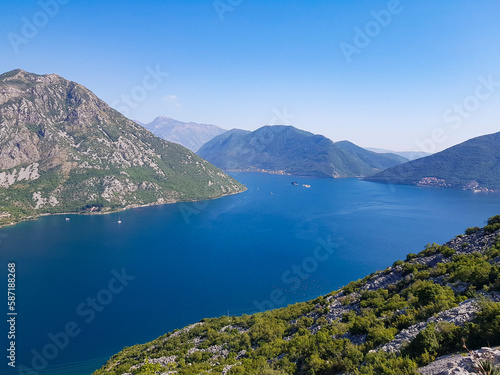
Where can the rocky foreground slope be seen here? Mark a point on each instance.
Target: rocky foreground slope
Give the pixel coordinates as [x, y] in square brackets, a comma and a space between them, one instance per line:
[62, 149]
[396, 321]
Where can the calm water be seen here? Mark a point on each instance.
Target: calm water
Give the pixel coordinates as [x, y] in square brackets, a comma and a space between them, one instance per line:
[190, 261]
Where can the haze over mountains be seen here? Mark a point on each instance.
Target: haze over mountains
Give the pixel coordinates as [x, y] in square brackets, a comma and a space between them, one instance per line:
[62, 149]
[410, 155]
[194, 136]
[188, 134]
[471, 165]
[285, 149]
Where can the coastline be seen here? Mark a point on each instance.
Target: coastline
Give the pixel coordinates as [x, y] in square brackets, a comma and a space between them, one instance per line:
[33, 218]
[281, 173]
[430, 184]
[420, 184]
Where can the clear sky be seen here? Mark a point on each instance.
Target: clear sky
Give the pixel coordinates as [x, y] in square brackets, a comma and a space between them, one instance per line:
[402, 75]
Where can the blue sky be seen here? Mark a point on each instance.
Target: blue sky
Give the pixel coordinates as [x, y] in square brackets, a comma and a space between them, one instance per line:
[423, 75]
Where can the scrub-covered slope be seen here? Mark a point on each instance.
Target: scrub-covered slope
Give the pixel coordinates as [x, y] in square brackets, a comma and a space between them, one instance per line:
[390, 322]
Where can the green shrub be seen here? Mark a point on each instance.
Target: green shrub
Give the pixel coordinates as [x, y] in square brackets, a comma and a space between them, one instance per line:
[380, 335]
[398, 263]
[411, 256]
[487, 324]
[381, 363]
[492, 228]
[149, 368]
[494, 220]
[472, 230]
[354, 286]
[493, 224]
[447, 251]
[429, 297]
[425, 341]
[422, 275]
[472, 268]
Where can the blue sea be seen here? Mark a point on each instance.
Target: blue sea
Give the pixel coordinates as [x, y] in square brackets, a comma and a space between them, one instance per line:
[89, 286]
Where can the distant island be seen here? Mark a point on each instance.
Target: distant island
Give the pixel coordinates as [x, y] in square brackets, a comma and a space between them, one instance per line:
[293, 151]
[395, 321]
[64, 150]
[471, 165]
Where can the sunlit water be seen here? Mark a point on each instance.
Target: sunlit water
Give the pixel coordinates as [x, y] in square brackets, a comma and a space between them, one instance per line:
[273, 245]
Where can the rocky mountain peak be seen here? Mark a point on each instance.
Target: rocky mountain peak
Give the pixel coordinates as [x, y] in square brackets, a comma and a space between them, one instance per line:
[64, 148]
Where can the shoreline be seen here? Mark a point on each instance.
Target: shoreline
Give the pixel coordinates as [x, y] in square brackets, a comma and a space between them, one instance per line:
[33, 218]
[482, 190]
[280, 173]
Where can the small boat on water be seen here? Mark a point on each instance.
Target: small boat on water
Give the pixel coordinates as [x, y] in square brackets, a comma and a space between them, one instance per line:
[119, 221]
[295, 183]
[67, 219]
[307, 186]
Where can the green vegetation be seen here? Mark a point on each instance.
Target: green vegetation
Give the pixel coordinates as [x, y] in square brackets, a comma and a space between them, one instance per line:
[493, 224]
[472, 230]
[88, 157]
[305, 338]
[294, 151]
[150, 368]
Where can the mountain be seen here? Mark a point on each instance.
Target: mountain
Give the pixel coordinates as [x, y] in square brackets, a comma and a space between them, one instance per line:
[140, 123]
[62, 149]
[410, 155]
[472, 165]
[188, 134]
[390, 322]
[285, 149]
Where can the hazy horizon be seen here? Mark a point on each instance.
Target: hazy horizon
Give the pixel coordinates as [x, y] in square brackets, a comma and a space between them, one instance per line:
[311, 131]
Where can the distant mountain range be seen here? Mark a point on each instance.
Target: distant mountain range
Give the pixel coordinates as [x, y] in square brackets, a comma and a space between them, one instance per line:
[62, 149]
[288, 150]
[188, 134]
[410, 155]
[472, 165]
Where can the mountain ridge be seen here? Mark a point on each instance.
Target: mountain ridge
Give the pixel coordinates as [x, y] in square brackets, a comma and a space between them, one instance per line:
[286, 149]
[471, 165]
[410, 155]
[62, 149]
[189, 134]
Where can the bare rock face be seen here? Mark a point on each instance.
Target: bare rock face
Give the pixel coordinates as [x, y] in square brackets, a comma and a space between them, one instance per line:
[63, 149]
[463, 313]
[462, 364]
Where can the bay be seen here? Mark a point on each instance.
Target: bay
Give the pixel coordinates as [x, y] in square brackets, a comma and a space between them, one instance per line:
[273, 245]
